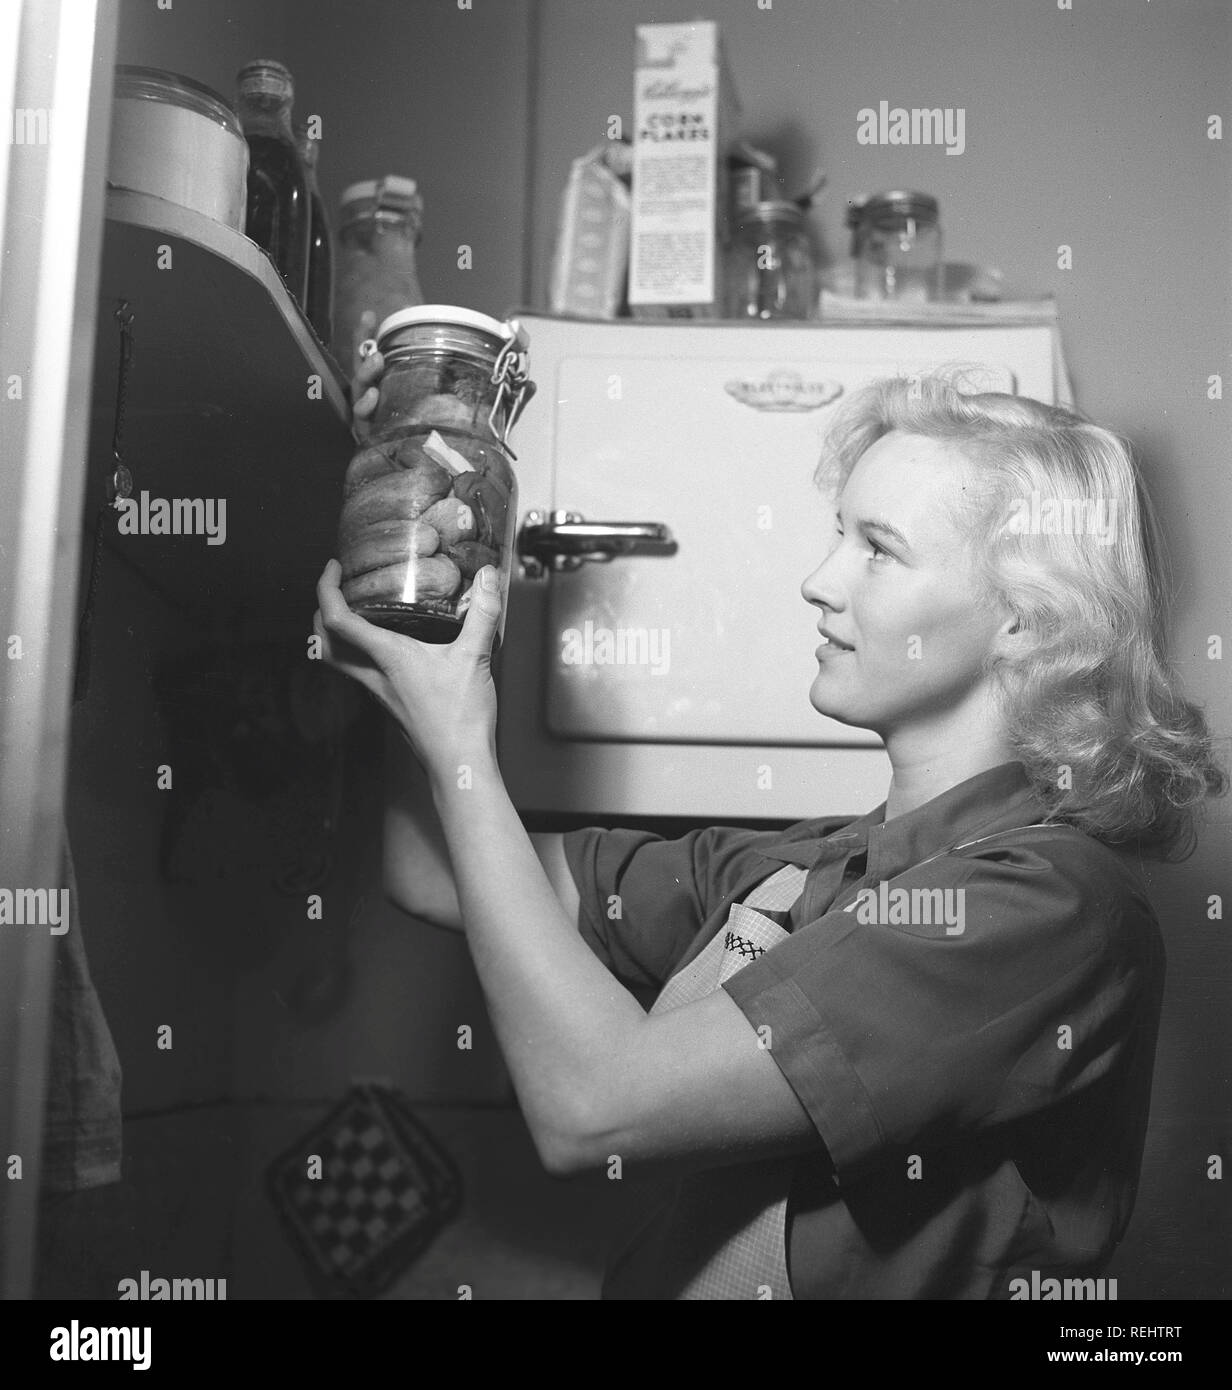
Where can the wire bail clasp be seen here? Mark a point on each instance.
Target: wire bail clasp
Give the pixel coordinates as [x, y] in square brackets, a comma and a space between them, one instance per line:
[510, 375]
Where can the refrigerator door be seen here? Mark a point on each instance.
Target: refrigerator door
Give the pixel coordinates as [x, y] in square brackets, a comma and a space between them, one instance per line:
[676, 682]
[713, 643]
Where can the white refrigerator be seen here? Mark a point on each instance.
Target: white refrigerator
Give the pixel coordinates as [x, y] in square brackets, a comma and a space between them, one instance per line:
[658, 653]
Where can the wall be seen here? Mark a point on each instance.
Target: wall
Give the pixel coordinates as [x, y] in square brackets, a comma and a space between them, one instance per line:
[438, 93]
[1086, 128]
[207, 40]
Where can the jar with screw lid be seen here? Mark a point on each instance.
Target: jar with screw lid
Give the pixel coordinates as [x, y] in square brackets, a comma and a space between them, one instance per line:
[897, 243]
[770, 268]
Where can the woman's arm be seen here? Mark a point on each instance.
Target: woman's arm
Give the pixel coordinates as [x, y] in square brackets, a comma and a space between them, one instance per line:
[418, 875]
[596, 1077]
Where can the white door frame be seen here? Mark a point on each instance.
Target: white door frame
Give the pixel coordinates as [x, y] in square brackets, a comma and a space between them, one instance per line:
[55, 100]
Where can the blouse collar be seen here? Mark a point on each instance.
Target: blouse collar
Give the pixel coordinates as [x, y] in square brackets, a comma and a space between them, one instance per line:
[1000, 798]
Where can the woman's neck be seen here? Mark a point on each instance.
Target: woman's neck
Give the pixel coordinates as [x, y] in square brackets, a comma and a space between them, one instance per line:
[925, 770]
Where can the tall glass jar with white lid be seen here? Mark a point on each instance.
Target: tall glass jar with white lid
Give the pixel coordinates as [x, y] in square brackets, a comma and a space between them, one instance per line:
[432, 498]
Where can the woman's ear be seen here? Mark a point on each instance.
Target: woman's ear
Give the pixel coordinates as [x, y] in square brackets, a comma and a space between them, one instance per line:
[1008, 632]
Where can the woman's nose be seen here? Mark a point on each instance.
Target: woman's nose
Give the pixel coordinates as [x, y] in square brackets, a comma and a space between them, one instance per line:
[821, 587]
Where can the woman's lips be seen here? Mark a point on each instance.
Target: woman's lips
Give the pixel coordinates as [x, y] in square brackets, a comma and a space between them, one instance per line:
[832, 645]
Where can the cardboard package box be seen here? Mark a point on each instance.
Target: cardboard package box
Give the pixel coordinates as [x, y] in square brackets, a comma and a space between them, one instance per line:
[590, 262]
[685, 113]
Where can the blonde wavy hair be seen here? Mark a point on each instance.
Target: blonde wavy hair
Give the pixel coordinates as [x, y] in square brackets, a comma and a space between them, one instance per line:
[1089, 700]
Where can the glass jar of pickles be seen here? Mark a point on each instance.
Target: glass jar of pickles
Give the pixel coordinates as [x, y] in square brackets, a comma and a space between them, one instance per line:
[432, 498]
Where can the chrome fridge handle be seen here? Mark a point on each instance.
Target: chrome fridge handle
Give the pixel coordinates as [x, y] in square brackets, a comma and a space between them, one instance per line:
[566, 540]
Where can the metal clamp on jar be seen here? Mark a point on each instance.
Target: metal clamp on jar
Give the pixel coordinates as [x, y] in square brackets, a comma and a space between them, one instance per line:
[432, 499]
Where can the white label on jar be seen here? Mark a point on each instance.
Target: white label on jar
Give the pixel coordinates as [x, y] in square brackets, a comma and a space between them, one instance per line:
[436, 448]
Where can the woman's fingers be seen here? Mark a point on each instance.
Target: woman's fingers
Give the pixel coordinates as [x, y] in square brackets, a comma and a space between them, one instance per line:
[368, 373]
[365, 403]
[365, 394]
[479, 625]
[364, 383]
[438, 695]
[338, 621]
[332, 607]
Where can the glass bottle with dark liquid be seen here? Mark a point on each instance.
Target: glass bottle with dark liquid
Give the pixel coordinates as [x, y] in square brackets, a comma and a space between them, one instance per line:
[279, 212]
[320, 302]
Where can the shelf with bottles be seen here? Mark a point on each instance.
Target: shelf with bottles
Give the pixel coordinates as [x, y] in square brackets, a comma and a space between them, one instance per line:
[230, 398]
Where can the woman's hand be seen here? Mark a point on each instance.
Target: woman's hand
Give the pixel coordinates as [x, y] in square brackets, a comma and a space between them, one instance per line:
[364, 395]
[442, 697]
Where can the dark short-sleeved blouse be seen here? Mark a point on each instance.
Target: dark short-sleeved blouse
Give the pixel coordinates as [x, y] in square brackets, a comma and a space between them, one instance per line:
[979, 1082]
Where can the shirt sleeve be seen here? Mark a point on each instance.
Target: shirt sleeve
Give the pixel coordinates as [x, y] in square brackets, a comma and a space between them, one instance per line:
[644, 898]
[909, 1034]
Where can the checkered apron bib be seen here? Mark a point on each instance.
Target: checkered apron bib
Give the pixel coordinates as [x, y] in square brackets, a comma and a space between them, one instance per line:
[738, 1247]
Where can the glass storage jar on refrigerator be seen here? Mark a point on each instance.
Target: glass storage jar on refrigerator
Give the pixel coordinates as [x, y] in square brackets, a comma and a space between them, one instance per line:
[432, 499]
[897, 247]
[770, 272]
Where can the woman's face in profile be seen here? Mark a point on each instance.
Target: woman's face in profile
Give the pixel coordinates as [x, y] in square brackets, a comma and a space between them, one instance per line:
[898, 593]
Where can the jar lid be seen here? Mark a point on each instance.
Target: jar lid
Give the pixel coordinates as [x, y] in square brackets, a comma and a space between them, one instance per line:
[444, 316]
[265, 77]
[369, 188]
[921, 207]
[777, 207]
[771, 211]
[134, 83]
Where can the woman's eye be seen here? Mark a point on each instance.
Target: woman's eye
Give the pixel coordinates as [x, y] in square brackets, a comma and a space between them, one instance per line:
[879, 551]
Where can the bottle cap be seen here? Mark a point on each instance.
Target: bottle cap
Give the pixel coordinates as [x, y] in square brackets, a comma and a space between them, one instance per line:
[265, 77]
[369, 188]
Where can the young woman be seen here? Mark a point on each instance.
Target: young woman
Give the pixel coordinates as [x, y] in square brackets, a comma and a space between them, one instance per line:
[905, 1057]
